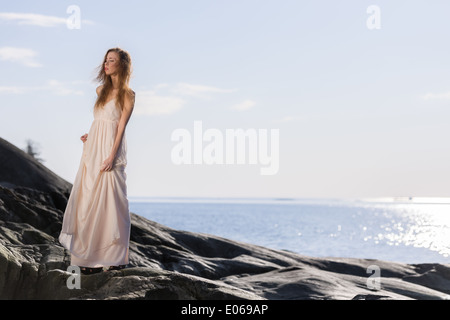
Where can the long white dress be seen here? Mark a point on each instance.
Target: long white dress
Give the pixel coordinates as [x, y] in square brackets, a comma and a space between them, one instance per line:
[96, 223]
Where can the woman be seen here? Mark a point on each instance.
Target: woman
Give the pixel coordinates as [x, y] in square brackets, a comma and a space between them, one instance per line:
[96, 224]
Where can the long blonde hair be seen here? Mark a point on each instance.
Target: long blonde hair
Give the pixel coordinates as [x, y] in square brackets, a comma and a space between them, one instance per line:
[124, 74]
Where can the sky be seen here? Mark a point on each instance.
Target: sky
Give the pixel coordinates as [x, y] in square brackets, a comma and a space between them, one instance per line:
[346, 99]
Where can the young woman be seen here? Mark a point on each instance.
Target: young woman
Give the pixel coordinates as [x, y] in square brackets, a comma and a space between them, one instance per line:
[96, 224]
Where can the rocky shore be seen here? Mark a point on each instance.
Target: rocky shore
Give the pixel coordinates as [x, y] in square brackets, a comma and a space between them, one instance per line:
[173, 264]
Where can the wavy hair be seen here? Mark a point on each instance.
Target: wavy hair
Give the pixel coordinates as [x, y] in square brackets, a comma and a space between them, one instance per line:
[124, 74]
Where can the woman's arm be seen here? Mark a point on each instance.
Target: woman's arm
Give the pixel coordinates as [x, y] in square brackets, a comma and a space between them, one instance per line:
[126, 114]
[85, 136]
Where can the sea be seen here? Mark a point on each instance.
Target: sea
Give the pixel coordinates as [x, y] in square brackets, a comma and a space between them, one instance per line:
[406, 230]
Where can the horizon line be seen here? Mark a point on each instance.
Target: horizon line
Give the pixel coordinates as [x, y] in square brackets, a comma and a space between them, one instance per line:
[386, 199]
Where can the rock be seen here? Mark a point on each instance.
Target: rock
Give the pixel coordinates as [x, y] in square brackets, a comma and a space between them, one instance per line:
[20, 169]
[172, 264]
[371, 297]
[434, 275]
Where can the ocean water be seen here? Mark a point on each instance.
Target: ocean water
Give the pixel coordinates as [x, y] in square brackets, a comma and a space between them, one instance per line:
[402, 230]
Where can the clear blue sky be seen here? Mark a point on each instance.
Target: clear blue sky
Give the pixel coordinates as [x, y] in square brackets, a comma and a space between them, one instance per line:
[360, 112]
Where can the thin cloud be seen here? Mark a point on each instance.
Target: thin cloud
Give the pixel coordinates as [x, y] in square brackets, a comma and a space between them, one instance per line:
[436, 96]
[12, 90]
[149, 103]
[166, 99]
[32, 19]
[22, 56]
[35, 19]
[244, 105]
[289, 119]
[54, 86]
[198, 91]
[61, 89]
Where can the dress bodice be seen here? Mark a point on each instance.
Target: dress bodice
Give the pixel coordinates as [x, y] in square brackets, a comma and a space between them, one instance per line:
[102, 135]
[108, 112]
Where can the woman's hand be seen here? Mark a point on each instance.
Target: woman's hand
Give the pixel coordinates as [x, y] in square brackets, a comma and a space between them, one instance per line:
[84, 137]
[107, 164]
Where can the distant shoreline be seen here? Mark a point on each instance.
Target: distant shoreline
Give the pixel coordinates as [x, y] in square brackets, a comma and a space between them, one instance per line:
[280, 200]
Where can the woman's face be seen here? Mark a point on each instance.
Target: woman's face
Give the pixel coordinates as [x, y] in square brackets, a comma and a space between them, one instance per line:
[111, 63]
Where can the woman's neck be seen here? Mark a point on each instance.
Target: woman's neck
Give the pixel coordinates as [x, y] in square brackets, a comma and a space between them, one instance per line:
[115, 81]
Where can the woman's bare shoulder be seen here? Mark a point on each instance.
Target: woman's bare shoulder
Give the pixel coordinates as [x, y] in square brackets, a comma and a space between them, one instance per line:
[131, 95]
[99, 89]
[129, 99]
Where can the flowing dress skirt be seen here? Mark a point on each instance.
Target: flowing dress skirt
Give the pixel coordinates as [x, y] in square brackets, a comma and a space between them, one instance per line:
[96, 224]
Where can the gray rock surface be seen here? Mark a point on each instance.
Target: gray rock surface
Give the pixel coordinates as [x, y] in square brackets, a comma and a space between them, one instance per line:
[172, 264]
